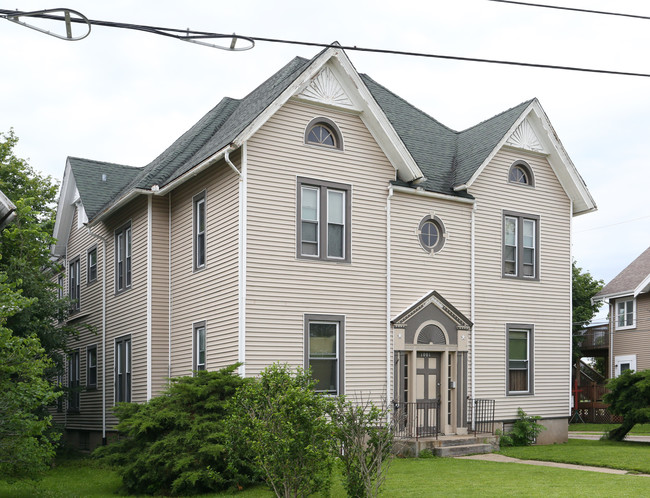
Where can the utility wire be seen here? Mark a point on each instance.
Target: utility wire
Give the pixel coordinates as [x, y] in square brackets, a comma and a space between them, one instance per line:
[588, 11]
[200, 36]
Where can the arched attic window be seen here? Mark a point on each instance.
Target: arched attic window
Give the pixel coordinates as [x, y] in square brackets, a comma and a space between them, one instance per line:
[323, 132]
[521, 174]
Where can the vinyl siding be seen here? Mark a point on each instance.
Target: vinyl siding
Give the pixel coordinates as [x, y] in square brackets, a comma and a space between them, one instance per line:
[160, 293]
[546, 303]
[414, 272]
[125, 313]
[637, 340]
[281, 288]
[211, 294]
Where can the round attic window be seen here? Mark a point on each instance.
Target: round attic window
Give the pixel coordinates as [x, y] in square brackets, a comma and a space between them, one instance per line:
[431, 234]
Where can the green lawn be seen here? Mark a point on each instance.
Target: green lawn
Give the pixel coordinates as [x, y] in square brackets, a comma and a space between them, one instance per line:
[407, 477]
[639, 429]
[625, 455]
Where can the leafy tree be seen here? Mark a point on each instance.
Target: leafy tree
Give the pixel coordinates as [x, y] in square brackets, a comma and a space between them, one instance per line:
[585, 286]
[26, 258]
[285, 427]
[27, 443]
[176, 442]
[366, 440]
[629, 396]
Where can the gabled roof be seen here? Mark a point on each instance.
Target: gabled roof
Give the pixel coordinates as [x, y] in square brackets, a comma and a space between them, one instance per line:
[632, 281]
[99, 182]
[425, 153]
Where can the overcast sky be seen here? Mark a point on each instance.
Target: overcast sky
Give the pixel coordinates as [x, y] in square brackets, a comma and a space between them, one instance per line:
[124, 96]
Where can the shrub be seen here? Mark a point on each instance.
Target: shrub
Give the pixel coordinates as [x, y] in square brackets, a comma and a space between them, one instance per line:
[366, 441]
[524, 431]
[629, 396]
[283, 424]
[176, 442]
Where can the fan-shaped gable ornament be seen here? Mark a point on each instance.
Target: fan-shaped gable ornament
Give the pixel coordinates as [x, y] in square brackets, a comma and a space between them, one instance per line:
[524, 137]
[326, 89]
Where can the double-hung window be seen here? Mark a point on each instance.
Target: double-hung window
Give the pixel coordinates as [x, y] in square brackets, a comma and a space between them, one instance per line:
[123, 258]
[74, 284]
[520, 246]
[73, 381]
[92, 265]
[324, 351]
[91, 367]
[324, 218]
[199, 231]
[199, 346]
[519, 339]
[625, 314]
[123, 369]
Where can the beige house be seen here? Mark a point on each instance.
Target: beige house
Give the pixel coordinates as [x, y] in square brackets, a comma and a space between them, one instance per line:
[628, 295]
[325, 222]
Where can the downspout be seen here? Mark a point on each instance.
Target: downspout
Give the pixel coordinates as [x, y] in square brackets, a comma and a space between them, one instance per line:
[149, 291]
[169, 291]
[472, 297]
[103, 240]
[388, 297]
[243, 187]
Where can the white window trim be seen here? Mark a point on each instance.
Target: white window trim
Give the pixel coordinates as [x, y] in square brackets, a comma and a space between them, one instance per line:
[629, 358]
[625, 327]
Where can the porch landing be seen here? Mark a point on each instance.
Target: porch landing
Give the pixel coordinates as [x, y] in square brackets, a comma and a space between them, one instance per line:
[448, 446]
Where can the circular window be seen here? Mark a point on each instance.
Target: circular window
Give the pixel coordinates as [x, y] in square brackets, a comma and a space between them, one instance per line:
[431, 234]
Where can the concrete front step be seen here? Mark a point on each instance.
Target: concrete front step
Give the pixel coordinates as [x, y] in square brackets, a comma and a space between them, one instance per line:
[463, 450]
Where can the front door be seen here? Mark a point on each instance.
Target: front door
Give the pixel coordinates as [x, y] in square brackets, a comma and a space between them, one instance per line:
[427, 384]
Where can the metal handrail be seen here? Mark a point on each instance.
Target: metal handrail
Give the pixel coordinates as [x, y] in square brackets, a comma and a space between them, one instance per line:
[416, 419]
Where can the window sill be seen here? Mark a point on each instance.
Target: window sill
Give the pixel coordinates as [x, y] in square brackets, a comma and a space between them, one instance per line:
[91, 388]
[627, 327]
[520, 393]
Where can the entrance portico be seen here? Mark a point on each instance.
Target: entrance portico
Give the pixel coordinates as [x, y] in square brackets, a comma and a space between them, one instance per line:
[430, 342]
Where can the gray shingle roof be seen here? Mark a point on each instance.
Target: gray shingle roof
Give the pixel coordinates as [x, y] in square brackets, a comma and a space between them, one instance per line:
[630, 278]
[446, 157]
[94, 191]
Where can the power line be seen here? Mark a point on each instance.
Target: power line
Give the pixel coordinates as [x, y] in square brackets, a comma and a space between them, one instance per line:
[200, 37]
[613, 224]
[588, 11]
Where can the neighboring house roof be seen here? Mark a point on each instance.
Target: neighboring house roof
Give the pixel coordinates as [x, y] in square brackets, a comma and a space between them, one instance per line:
[632, 281]
[426, 154]
[7, 211]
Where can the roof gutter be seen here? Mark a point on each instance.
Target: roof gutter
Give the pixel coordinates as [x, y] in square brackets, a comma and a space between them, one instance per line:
[156, 190]
[434, 195]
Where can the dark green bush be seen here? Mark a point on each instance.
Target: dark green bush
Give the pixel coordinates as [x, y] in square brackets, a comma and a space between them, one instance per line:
[176, 443]
[524, 431]
[629, 396]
